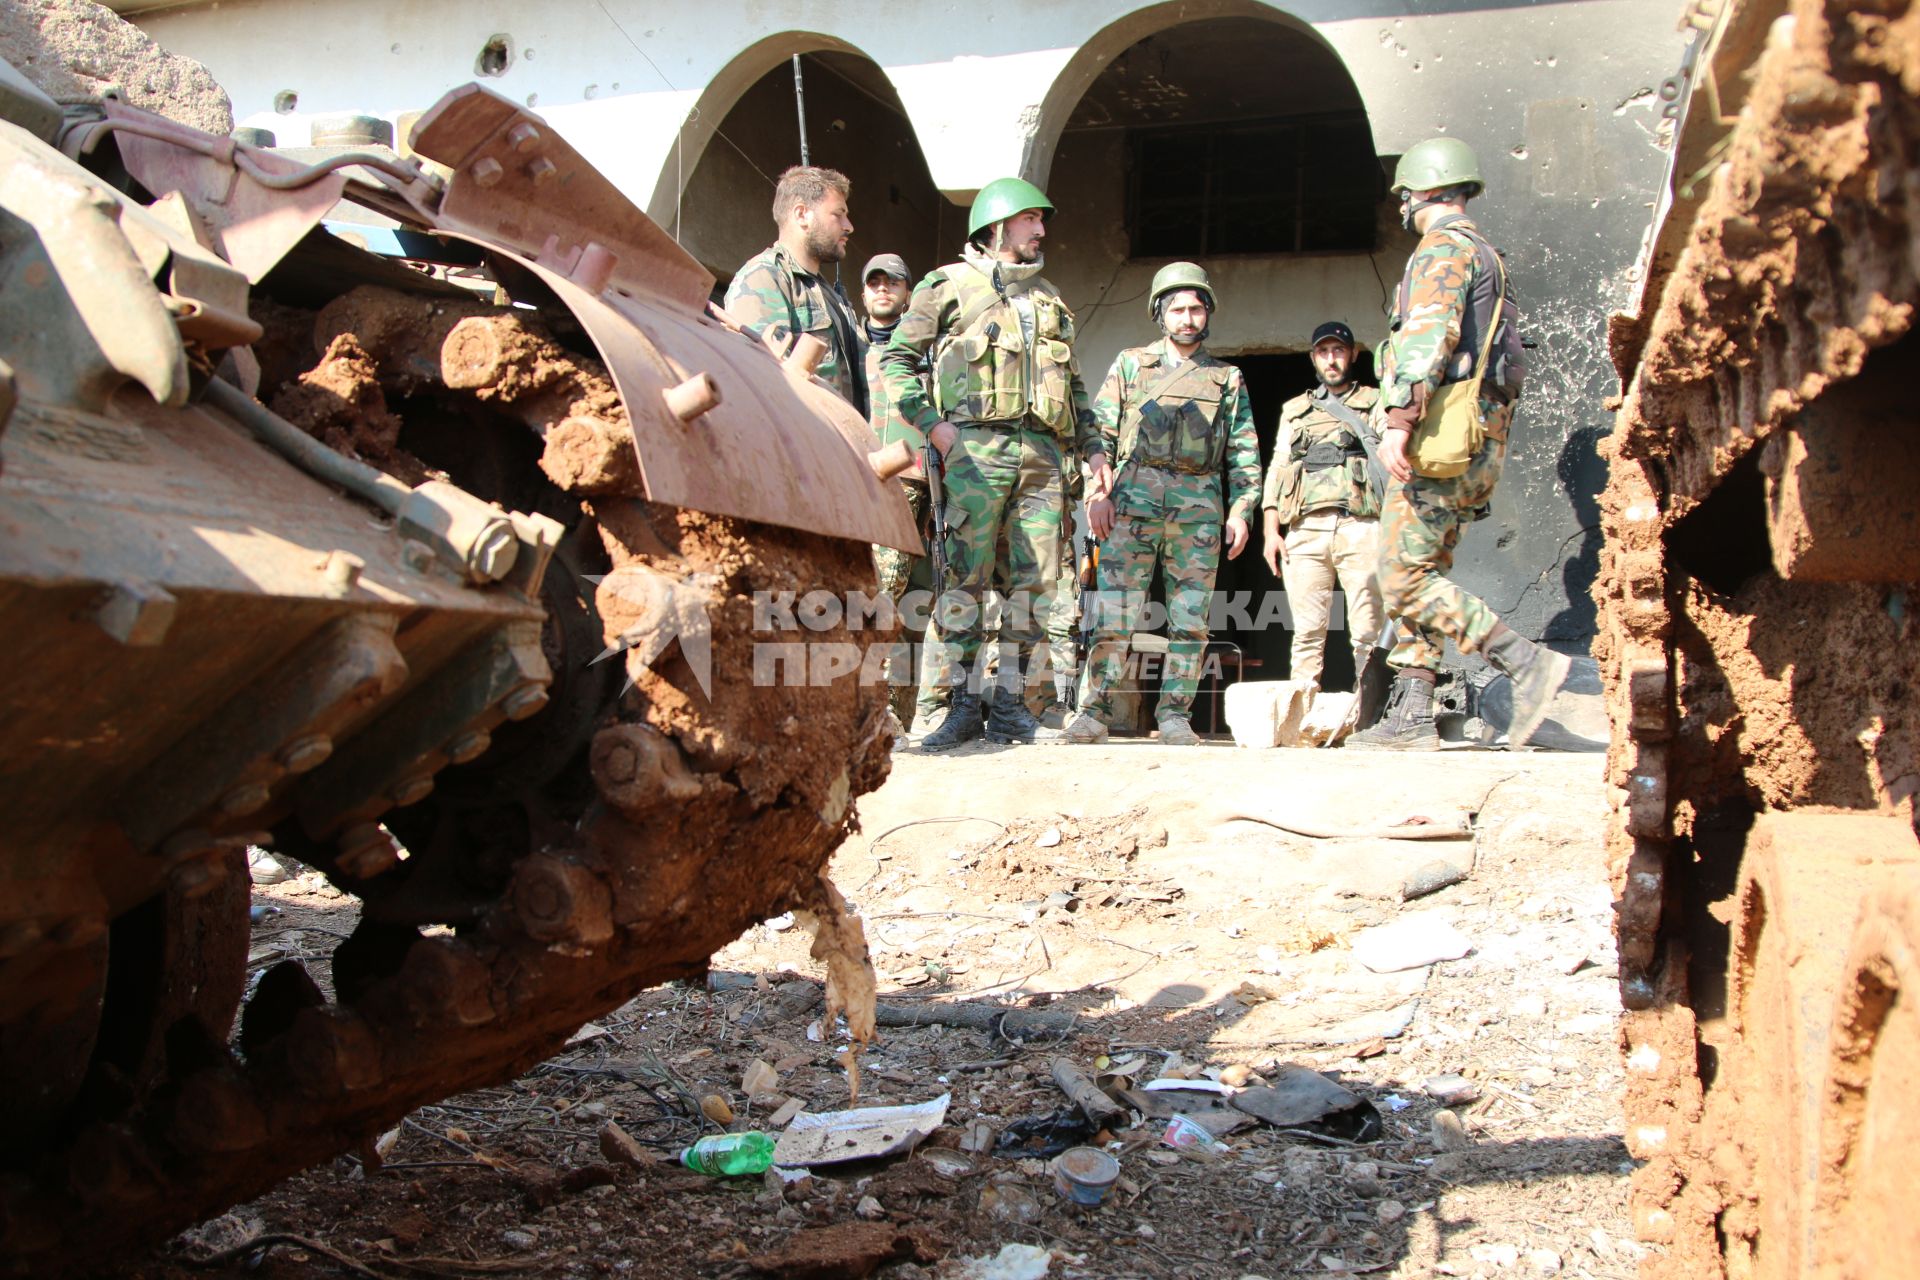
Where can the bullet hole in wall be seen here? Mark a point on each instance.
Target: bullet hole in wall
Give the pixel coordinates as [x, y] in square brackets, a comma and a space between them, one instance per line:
[495, 57]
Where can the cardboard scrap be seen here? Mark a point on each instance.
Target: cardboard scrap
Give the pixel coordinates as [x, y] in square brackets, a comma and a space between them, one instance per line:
[867, 1133]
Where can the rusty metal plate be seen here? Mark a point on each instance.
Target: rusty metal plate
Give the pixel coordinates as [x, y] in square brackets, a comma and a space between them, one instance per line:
[517, 183]
[777, 448]
[252, 226]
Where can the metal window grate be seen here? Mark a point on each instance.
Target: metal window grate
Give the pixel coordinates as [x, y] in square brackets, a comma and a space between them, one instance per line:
[1302, 184]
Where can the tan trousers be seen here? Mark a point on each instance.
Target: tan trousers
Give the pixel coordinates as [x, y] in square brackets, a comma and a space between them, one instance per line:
[1324, 547]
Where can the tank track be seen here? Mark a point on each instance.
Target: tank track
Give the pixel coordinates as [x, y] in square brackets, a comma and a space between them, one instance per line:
[1800, 263]
[612, 842]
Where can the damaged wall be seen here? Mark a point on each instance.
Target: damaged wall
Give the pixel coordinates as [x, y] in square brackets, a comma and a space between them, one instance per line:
[1558, 99]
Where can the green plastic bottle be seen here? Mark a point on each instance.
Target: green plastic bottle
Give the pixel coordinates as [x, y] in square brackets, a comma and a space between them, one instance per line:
[730, 1155]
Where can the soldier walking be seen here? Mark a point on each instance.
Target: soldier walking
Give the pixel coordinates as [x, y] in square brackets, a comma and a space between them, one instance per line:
[780, 289]
[1454, 325]
[885, 288]
[1007, 403]
[1321, 506]
[1179, 422]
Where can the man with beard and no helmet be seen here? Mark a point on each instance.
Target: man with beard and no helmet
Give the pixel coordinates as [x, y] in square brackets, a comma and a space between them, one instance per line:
[1005, 408]
[780, 289]
[1321, 506]
[1180, 424]
[885, 288]
[1450, 374]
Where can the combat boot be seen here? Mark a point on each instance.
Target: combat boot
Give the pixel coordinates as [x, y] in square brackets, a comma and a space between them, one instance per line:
[1008, 720]
[1537, 674]
[1408, 722]
[1086, 728]
[961, 725]
[1177, 731]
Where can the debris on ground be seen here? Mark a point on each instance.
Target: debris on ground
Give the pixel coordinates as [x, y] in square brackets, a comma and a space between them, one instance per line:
[1466, 1102]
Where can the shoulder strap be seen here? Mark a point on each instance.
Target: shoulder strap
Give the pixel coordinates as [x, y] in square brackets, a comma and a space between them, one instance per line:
[1376, 473]
[1483, 250]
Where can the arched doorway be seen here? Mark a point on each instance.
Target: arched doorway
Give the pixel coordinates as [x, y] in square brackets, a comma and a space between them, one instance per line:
[1240, 141]
[854, 123]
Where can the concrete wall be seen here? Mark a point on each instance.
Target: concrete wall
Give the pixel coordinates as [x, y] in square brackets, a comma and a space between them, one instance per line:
[1556, 97]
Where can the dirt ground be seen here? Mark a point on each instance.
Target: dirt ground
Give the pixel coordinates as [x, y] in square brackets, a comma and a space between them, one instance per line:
[1101, 888]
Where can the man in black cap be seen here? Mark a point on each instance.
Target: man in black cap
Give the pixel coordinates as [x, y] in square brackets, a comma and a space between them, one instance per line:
[1321, 505]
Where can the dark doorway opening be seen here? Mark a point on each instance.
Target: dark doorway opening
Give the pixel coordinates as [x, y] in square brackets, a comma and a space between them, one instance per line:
[1272, 380]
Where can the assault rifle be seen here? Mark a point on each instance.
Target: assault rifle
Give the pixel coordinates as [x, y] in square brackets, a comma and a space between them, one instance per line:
[934, 466]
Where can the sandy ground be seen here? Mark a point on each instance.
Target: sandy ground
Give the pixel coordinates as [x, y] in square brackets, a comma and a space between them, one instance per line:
[1103, 887]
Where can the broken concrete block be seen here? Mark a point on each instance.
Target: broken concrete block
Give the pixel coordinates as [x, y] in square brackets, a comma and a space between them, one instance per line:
[1267, 713]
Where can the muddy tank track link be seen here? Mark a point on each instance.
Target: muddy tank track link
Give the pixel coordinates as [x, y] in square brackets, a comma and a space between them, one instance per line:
[1756, 642]
[471, 963]
[557, 766]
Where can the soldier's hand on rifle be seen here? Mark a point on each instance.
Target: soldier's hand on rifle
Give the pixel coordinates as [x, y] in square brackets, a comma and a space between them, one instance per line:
[942, 437]
[1237, 536]
[1099, 518]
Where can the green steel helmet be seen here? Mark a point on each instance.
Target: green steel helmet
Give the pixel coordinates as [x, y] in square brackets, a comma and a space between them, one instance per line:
[1437, 163]
[1180, 275]
[1002, 198]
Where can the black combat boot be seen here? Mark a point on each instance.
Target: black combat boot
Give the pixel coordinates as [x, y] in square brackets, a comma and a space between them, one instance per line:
[1408, 722]
[1008, 719]
[961, 726]
[1537, 674]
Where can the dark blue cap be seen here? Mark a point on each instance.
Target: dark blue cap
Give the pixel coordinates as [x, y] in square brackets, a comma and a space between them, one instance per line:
[1331, 329]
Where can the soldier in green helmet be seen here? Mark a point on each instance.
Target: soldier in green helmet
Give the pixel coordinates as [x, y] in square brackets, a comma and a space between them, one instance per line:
[1455, 322]
[1181, 426]
[1007, 410]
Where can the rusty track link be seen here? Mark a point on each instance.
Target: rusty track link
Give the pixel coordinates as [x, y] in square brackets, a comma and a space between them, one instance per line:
[653, 825]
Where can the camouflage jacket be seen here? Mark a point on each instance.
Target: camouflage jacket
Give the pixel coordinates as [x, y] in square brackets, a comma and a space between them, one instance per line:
[964, 328]
[1194, 417]
[1301, 481]
[771, 292]
[1423, 349]
[882, 413]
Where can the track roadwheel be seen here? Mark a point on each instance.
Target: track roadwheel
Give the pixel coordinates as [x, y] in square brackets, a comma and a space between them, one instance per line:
[1865, 1223]
[1792, 909]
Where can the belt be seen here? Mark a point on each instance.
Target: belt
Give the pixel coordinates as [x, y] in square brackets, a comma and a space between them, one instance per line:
[1171, 470]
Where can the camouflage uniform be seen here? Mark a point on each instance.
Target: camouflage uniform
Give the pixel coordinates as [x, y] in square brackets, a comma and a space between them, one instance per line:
[894, 567]
[1175, 429]
[771, 292]
[1330, 516]
[1424, 517]
[1019, 405]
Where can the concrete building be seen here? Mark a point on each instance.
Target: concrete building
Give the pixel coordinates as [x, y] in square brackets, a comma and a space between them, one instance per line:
[1251, 137]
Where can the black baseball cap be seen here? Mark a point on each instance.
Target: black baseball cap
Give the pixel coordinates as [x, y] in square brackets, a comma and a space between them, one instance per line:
[1331, 329]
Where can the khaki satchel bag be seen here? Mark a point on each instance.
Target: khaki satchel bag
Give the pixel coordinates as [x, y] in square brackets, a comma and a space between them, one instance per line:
[1451, 430]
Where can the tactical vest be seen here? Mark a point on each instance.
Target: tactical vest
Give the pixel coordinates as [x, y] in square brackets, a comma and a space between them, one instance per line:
[1507, 357]
[982, 369]
[1174, 420]
[1326, 466]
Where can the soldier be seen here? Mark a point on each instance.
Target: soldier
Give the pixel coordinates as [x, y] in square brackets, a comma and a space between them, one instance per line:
[1007, 403]
[1454, 323]
[780, 289]
[1178, 420]
[1321, 506]
[885, 288]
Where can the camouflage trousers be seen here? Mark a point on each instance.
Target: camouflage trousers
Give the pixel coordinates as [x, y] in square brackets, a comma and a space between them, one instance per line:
[1168, 521]
[1003, 491]
[894, 569]
[1418, 532]
[1324, 548]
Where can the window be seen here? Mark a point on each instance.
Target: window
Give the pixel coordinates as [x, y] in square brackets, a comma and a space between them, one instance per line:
[1305, 184]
